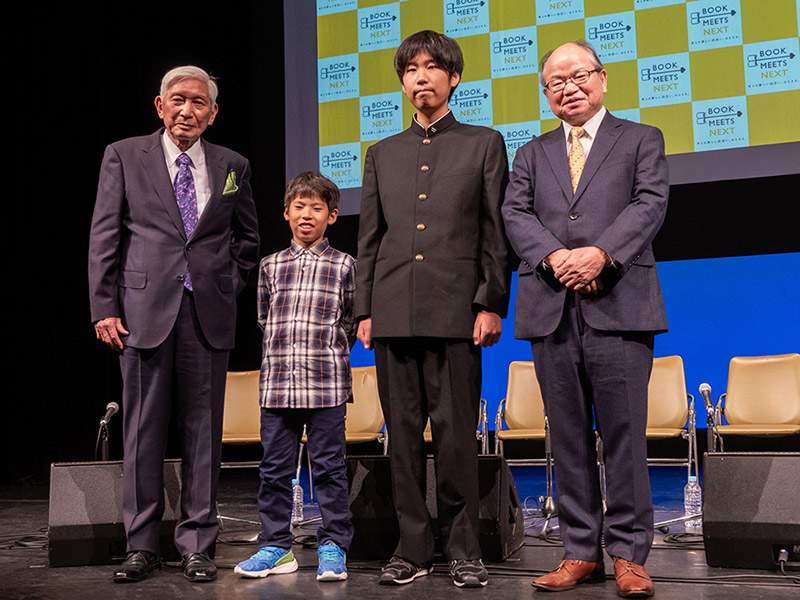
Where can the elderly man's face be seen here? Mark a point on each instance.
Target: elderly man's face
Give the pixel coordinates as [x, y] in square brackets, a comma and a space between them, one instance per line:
[574, 104]
[186, 111]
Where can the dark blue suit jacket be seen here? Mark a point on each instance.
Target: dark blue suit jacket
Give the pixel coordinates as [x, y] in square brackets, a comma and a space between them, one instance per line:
[138, 250]
[618, 206]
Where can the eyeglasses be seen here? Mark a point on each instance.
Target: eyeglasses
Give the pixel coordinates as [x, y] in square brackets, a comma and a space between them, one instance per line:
[578, 78]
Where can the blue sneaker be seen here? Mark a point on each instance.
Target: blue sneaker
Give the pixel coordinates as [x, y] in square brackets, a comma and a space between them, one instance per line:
[332, 563]
[269, 560]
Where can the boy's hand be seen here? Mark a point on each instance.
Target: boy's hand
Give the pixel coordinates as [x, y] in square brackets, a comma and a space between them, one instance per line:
[487, 329]
[364, 333]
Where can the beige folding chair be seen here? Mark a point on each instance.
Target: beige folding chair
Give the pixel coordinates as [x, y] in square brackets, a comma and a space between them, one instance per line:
[670, 410]
[241, 423]
[481, 433]
[762, 398]
[522, 410]
[365, 421]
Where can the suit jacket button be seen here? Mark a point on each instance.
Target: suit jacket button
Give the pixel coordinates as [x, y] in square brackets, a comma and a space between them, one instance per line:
[420, 226]
[573, 216]
[424, 168]
[179, 277]
[426, 141]
[419, 258]
[423, 196]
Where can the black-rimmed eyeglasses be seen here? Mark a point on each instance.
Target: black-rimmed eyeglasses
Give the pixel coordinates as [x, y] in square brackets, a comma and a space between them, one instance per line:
[578, 78]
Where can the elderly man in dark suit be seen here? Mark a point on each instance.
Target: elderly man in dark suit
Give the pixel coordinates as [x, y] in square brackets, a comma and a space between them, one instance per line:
[173, 238]
[582, 208]
[431, 288]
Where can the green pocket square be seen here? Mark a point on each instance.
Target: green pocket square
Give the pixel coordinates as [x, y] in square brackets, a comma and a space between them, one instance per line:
[230, 184]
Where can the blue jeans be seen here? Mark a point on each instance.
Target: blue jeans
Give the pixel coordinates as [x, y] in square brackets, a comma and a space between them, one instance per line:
[281, 430]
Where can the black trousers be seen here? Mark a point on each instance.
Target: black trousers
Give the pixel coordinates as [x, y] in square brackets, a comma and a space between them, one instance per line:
[441, 379]
[186, 375]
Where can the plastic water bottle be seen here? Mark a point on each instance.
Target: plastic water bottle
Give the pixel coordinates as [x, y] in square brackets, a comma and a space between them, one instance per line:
[692, 505]
[297, 502]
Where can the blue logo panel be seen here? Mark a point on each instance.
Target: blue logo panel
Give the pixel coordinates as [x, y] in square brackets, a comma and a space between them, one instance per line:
[544, 108]
[664, 80]
[720, 123]
[714, 24]
[328, 7]
[613, 36]
[379, 27]
[517, 135]
[381, 115]
[772, 66]
[631, 114]
[472, 103]
[514, 52]
[556, 11]
[341, 164]
[465, 17]
[337, 77]
[640, 4]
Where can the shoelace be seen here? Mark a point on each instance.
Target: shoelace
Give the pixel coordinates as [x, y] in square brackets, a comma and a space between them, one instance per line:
[271, 554]
[330, 553]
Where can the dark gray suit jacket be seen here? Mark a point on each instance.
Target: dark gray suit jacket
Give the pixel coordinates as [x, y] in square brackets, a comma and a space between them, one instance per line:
[432, 250]
[138, 250]
[619, 206]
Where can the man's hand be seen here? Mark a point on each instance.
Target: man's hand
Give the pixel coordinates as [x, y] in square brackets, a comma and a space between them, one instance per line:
[487, 329]
[109, 331]
[364, 333]
[579, 268]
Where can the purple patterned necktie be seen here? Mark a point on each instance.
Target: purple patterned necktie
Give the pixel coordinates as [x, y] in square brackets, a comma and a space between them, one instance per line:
[187, 201]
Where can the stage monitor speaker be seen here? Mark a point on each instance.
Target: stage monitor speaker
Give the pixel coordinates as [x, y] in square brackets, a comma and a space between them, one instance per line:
[502, 527]
[751, 509]
[85, 522]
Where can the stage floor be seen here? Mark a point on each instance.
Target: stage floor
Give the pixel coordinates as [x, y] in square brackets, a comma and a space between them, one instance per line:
[677, 564]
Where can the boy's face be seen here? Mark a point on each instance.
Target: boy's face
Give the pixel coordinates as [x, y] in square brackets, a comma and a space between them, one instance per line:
[308, 218]
[427, 85]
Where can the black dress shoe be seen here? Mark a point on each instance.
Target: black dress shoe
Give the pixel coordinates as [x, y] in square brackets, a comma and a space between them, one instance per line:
[198, 567]
[137, 566]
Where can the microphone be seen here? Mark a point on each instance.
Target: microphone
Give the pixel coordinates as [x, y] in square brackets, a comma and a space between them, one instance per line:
[705, 391]
[111, 409]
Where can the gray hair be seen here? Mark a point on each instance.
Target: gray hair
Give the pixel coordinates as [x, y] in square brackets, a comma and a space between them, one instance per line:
[178, 74]
[583, 44]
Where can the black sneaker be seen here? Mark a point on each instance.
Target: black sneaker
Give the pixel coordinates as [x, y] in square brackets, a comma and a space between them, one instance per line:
[469, 573]
[399, 571]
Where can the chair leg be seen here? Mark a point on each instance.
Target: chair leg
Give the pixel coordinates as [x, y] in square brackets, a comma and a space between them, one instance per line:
[601, 466]
[548, 503]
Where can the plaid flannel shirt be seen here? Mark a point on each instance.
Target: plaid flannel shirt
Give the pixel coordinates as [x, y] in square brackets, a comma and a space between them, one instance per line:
[305, 309]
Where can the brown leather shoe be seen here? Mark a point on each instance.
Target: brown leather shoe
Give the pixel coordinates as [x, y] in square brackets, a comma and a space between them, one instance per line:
[570, 573]
[632, 579]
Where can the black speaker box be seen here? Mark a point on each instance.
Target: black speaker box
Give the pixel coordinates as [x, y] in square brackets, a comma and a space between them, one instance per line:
[502, 527]
[85, 522]
[751, 509]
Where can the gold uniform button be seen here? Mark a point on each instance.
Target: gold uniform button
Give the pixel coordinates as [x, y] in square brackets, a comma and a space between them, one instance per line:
[424, 168]
[419, 258]
[423, 196]
[426, 141]
[420, 226]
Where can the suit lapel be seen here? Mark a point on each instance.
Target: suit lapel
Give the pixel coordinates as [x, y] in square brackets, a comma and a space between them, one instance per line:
[155, 165]
[555, 148]
[607, 135]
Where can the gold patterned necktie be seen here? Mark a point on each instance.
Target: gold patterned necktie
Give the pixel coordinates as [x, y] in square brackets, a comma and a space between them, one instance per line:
[576, 159]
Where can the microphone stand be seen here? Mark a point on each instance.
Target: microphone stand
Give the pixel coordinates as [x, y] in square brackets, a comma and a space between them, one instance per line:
[549, 510]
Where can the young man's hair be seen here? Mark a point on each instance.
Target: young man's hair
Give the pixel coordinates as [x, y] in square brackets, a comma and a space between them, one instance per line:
[444, 51]
[309, 185]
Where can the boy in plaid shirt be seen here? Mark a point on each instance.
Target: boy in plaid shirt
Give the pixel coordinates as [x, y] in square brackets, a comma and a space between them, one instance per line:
[305, 308]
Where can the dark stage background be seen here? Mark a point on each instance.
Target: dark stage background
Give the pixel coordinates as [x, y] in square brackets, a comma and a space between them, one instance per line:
[85, 75]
